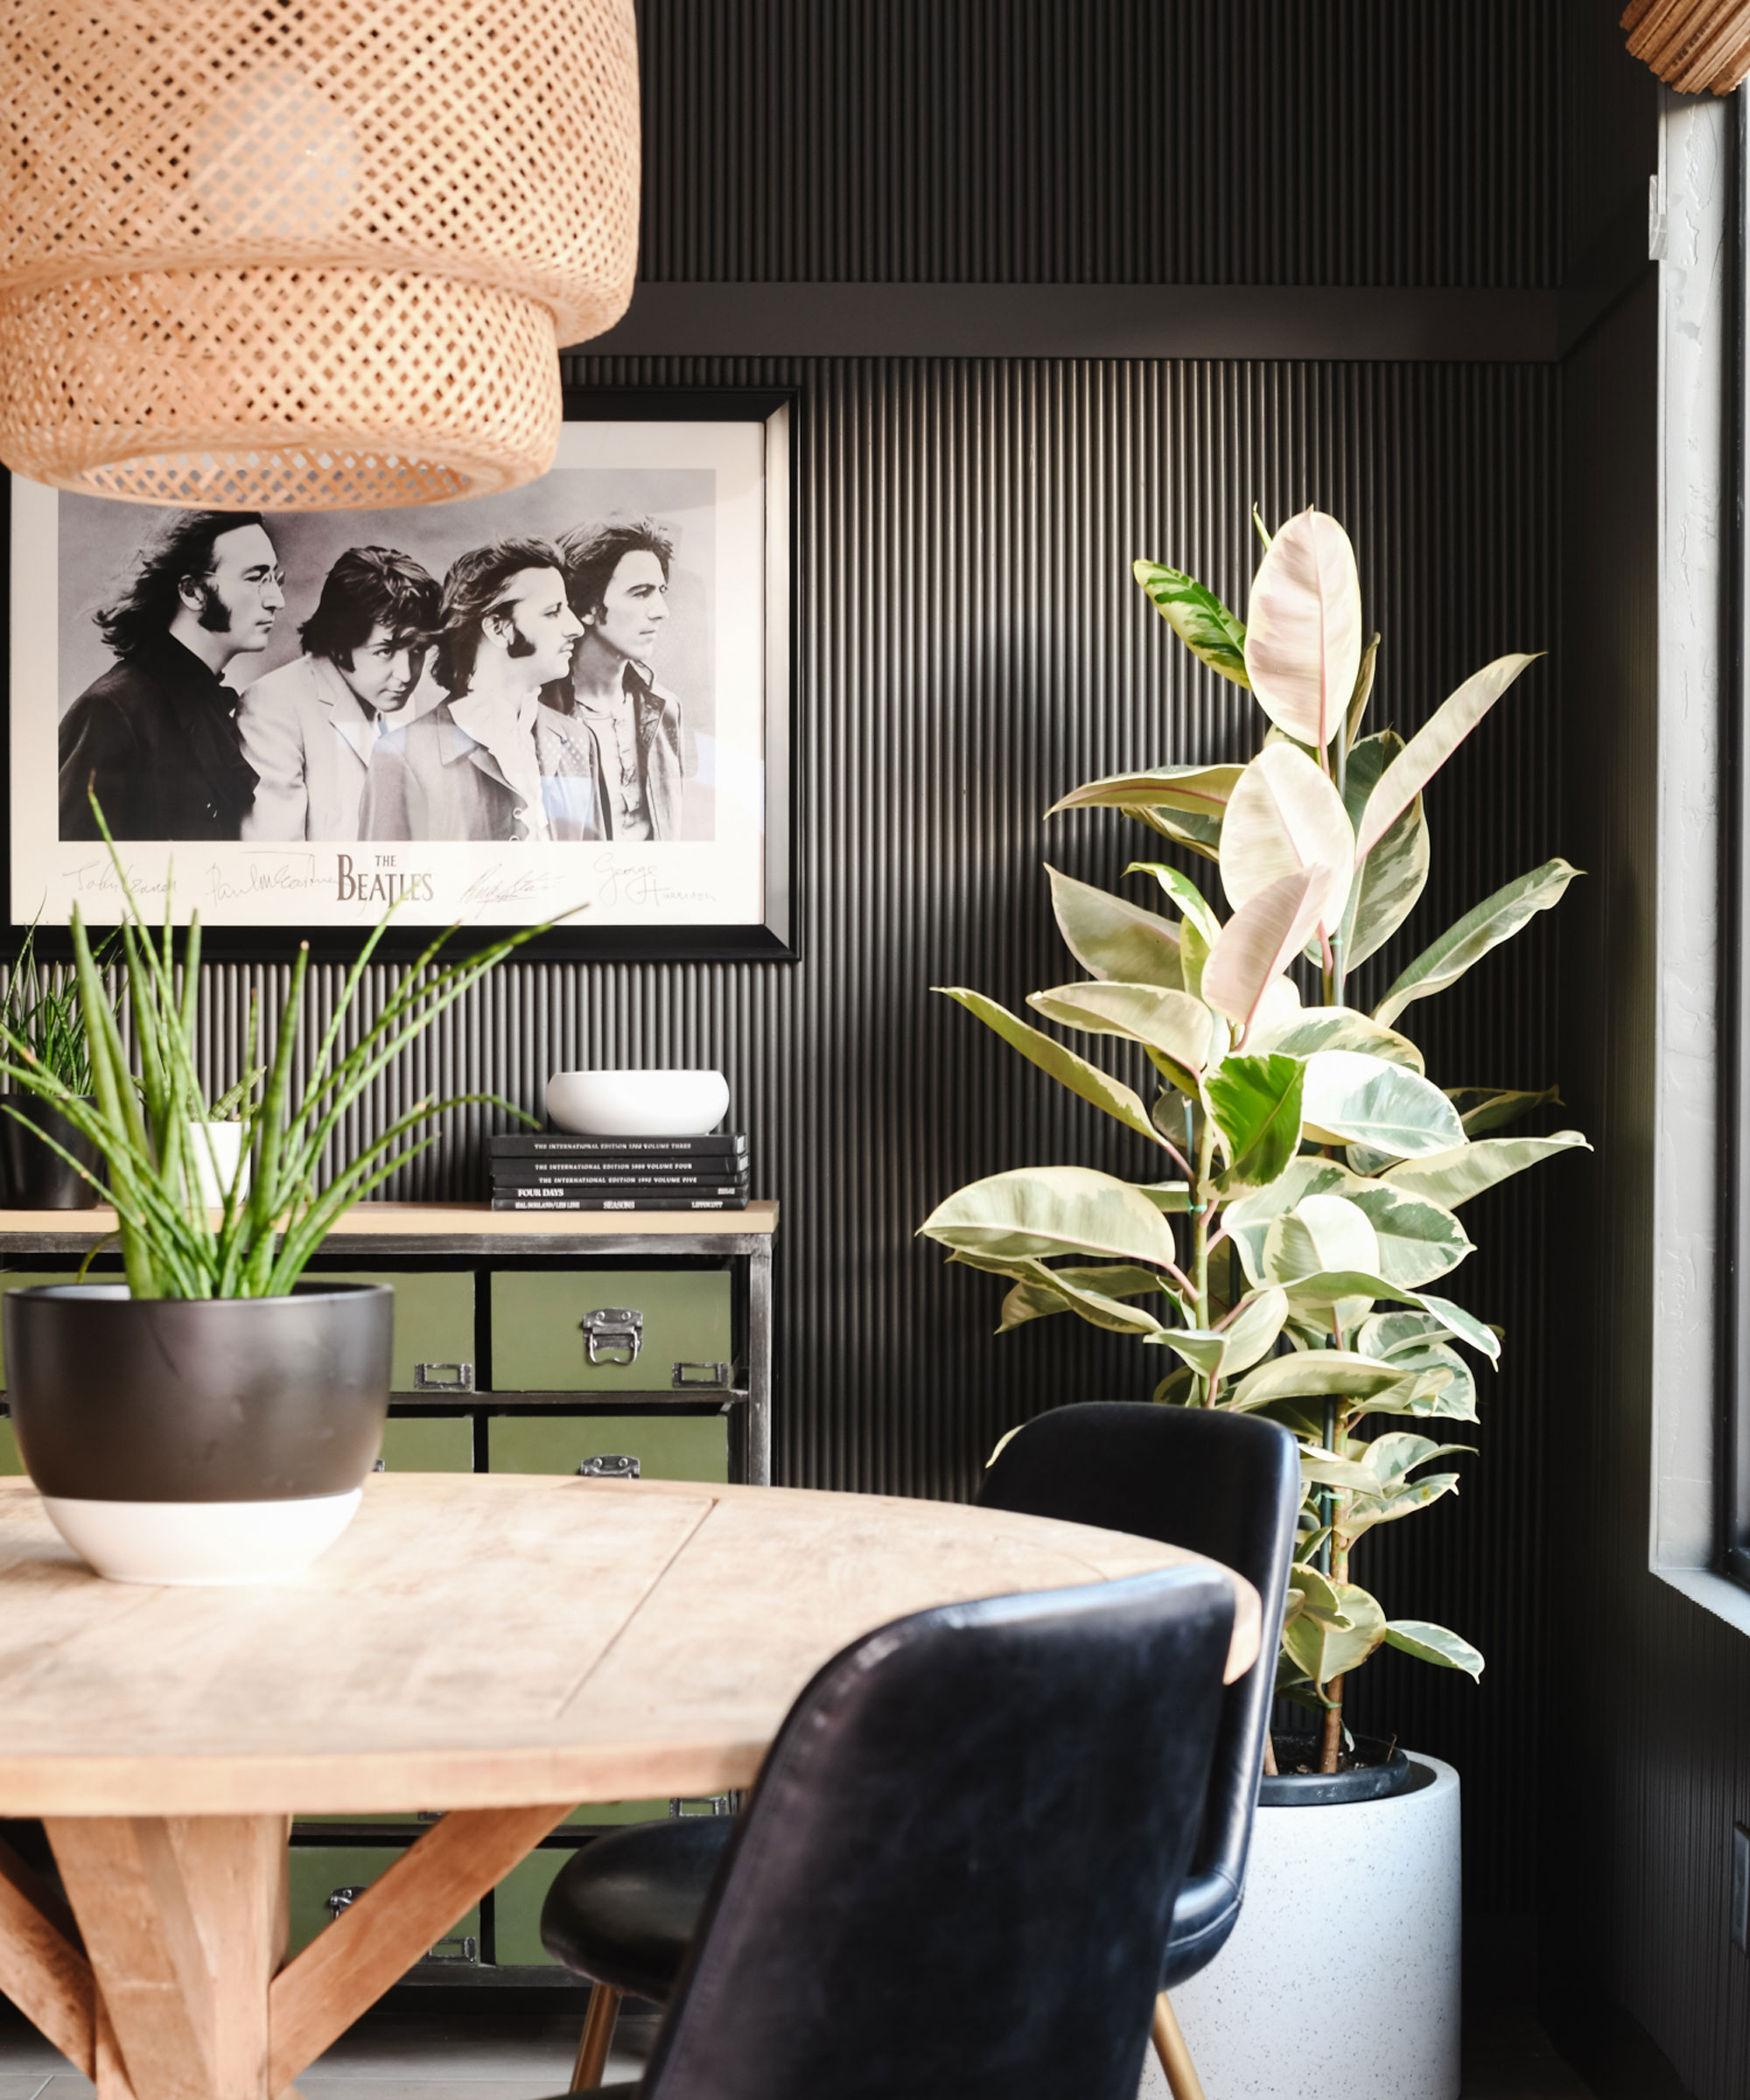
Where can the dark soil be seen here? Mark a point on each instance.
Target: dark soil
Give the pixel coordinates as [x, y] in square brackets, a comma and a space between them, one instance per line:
[1296, 1756]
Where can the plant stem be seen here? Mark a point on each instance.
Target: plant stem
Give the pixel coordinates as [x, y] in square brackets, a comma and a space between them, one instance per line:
[1331, 1745]
[1201, 1216]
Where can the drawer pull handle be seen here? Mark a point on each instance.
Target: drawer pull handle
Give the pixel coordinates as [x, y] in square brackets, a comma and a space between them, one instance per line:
[467, 1949]
[702, 1804]
[430, 1378]
[699, 1374]
[611, 1465]
[612, 1333]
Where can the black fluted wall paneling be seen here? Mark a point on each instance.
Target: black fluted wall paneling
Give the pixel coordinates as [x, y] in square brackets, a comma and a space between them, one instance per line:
[973, 646]
[1249, 142]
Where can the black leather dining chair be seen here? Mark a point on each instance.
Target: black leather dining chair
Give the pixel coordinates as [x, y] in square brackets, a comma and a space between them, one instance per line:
[1224, 1485]
[955, 1877]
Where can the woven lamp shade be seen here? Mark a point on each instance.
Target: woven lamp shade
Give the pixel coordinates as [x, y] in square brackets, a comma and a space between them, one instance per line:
[296, 255]
[1691, 45]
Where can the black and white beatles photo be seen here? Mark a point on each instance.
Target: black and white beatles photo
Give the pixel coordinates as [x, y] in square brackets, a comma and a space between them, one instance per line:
[489, 709]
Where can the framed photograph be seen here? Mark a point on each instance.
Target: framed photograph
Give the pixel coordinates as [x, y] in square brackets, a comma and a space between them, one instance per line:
[576, 697]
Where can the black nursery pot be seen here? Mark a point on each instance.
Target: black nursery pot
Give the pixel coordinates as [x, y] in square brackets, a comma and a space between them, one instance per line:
[197, 1400]
[1385, 1774]
[33, 1177]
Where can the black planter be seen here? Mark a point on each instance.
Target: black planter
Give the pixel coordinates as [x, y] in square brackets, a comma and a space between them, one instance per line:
[197, 1400]
[1387, 1773]
[33, 1177]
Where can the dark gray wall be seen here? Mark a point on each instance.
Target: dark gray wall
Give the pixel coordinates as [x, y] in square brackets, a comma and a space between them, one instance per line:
[972, 646]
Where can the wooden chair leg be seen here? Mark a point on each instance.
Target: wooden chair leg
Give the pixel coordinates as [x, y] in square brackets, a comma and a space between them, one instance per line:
[1169, 2045]
[599, 2023]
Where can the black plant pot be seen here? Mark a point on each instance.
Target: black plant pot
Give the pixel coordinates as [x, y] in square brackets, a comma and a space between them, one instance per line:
[198, 1440]
[1383, 1773]
[33, 1177]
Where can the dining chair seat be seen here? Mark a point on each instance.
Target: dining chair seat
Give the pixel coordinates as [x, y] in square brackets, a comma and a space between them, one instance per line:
[631, 1903]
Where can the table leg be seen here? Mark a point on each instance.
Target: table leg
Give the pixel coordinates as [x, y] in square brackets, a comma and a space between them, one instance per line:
[178, 1993]
[184, 1923]
[384, 1931]
[43, 1969]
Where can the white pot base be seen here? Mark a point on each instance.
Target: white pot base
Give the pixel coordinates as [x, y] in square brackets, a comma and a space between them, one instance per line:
[1372, 1883]
[201, 1544]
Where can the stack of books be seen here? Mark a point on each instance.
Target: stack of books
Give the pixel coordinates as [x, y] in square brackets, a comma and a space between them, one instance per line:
[552, 1169]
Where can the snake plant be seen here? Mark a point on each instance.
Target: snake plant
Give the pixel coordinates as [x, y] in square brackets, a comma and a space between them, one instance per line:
[148, 1112]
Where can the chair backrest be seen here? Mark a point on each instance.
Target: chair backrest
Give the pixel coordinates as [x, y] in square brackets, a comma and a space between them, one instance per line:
[1224, 1485]
[955, 1878]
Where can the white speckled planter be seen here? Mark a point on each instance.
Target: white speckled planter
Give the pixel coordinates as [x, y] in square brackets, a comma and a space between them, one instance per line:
[1367, 1890]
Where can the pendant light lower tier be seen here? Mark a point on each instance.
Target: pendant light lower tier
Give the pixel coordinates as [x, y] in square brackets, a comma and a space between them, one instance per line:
[318, 257]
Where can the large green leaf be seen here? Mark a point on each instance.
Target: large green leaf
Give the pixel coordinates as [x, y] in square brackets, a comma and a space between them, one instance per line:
[1316, 1373]
[1419, 1239]
[1200, 834]
[1433, 744]
[1050, 1210]
[1299, 1033]
[1193, 905]
[1172, 1022]
[1191, 790]
[1343, 1287]
[1111, 937]
[1322, 1235]
[1303, 644]
[1488, 1108]
[1248, 1332]
[1486, 926]
[1434, 1644]
[1096, 1292]
[1322, 1650]
[1248, 1217]
[1352, 1097]
[1414, 1341]
[1258, 942]
[1256, 1102]
[1453, 1178]
[1059, 1061]
[1285, 817]
[1211, 634]
[1392, 876]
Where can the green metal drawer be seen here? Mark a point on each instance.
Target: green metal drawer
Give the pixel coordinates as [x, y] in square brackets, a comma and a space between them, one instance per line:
[429, 1443]
[434, 1316]
[538, 1344]
[318, 1870]
[667, 1447]
[516, 1910]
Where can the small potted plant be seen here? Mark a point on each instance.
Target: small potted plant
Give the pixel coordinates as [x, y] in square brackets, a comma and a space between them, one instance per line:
[212, 1419]
[1286, 1248]
[43, 1016]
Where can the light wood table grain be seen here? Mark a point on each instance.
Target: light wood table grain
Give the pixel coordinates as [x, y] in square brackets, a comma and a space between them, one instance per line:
[505, 1645]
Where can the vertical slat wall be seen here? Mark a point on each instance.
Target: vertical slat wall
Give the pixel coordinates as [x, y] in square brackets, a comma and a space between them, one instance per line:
[973, 646]
[1191, 142]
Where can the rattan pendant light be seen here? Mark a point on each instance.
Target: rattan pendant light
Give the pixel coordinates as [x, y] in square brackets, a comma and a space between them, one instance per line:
[306, 254]
[1692, 44]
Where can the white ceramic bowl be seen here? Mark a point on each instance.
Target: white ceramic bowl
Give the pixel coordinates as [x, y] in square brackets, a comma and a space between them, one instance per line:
[638, 1104]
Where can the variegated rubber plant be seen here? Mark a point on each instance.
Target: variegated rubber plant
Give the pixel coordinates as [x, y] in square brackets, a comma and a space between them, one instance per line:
[1305, 1175]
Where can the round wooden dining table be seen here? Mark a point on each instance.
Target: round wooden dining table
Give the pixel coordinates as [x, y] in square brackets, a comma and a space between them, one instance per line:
[499, 1646]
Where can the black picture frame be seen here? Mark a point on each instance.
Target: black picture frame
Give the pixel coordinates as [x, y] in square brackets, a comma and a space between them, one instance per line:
[777, 940]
